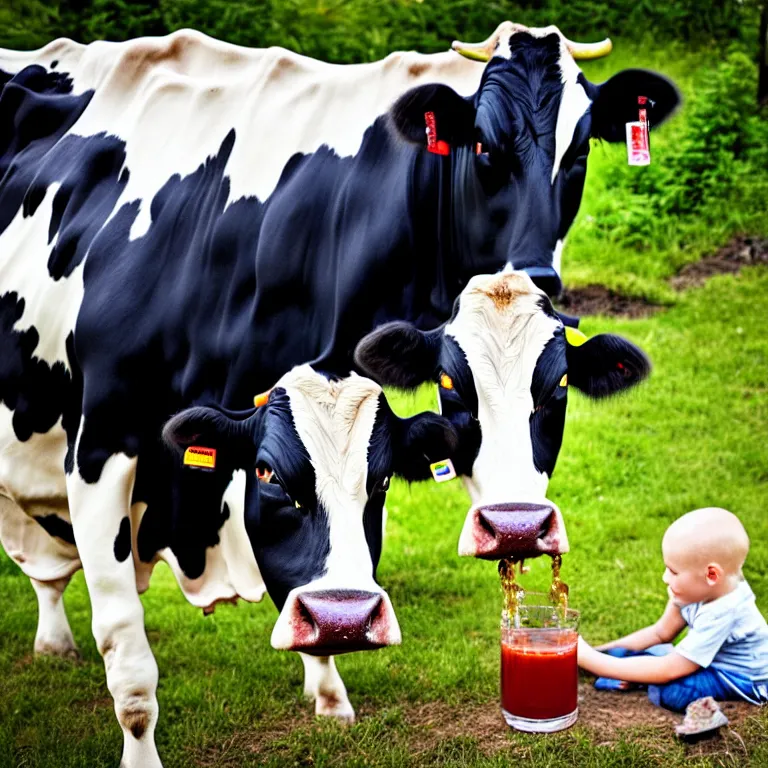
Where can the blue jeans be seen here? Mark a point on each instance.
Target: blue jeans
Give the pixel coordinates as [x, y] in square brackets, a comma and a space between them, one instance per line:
[678, 694]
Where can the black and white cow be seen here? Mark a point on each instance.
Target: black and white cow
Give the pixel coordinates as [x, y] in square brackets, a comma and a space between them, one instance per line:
[314, 462]
[183, 221]
[503, 364]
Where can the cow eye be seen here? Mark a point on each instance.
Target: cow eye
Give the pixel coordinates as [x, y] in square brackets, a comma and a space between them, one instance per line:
[384, 485]
[264, 472]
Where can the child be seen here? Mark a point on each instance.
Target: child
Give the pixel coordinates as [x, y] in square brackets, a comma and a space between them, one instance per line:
[725, 653]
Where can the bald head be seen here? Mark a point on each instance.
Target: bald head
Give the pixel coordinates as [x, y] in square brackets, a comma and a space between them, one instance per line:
[705, 536]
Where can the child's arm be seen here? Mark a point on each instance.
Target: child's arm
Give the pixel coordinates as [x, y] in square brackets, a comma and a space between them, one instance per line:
[637, 669]
[666, 629]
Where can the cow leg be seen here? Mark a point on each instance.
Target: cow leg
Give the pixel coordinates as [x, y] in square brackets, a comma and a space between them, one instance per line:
[98, 512]
[54, 637]
[324, 686]
[48, 561]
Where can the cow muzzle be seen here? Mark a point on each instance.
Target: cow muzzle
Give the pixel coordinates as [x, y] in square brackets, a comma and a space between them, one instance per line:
[513, 530]
[333, 621]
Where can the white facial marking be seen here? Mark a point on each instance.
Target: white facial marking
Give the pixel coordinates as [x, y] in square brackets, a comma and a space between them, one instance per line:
[502, 331]
[557, 257]
[574, 103]
[335, 420]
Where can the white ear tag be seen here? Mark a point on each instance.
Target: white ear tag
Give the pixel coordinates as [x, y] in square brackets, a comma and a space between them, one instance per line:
[638, 147]
[443, 471]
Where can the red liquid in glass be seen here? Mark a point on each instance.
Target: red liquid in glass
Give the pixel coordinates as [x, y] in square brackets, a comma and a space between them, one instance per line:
[539, 683]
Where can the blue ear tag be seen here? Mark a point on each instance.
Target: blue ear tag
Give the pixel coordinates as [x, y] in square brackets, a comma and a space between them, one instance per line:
[443, 471]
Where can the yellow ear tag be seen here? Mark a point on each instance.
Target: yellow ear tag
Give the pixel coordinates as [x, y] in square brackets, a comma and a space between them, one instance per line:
[261, 399]
[200, 458]
[574, 336]
[446, 382]
[564, 380]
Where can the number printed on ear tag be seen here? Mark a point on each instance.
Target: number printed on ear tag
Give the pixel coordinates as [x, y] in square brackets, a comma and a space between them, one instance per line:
[200, 458]
[443, 470]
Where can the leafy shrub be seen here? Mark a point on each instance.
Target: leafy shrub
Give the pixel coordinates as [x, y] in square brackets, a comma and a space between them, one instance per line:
[721, 150]
[362, 30]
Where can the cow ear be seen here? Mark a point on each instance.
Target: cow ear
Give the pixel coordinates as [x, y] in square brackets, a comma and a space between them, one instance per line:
[420, 441]
[399, 355]
[209, 428]
[568, 320]
[616, 103]
[606, 364]
[454, 115]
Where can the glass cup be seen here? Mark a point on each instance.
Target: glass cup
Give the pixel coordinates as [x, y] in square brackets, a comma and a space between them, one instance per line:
[539, 675]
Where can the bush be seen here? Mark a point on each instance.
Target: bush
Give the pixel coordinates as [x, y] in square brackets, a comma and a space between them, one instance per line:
[718, 152]
[362, 30]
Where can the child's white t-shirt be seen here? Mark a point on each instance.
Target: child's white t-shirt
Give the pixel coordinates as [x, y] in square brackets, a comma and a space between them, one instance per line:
[727, 634]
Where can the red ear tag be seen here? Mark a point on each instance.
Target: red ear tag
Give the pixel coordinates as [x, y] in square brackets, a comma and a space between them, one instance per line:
[620, 366]
[433, 144]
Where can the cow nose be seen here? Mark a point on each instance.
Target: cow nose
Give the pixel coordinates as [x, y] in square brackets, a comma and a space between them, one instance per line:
[545, 278]
[516, 530]
[333, 621]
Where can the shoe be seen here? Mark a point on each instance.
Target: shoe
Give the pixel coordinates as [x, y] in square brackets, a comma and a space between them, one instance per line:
[702, 716]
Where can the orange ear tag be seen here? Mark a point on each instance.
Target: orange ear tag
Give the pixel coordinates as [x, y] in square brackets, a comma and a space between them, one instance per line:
[261, 399]
[198, 457]
[446, 382]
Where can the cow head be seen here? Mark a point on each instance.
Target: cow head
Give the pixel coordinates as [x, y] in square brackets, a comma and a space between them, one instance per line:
[522, 140]
[503, 363]
[318, 456]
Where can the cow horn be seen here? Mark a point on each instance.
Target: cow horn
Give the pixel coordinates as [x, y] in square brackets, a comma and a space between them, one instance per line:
[588, 51]
[484, 51]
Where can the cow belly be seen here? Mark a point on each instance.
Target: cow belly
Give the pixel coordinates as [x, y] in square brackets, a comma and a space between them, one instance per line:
[231, 571]
[32, 486]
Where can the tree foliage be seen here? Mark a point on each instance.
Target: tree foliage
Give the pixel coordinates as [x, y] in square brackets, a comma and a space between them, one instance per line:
[361, 30]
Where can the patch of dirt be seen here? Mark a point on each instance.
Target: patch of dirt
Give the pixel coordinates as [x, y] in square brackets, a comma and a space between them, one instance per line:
[229, 753]
[608, 717]
[740, 252]
[731, 258]
[599, 300]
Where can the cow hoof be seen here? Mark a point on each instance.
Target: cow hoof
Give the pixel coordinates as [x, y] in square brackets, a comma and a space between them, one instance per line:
[62, 651]
[331, 706]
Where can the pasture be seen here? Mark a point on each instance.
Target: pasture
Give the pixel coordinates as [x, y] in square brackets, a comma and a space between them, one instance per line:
[693, 435]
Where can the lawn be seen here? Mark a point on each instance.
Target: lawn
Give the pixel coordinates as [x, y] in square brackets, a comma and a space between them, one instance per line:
[693, 435]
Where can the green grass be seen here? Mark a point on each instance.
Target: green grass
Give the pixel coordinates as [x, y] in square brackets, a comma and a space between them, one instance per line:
[693, 435]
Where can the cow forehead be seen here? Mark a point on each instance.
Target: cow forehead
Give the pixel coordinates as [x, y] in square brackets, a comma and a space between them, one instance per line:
[502, 328]
[334, 420]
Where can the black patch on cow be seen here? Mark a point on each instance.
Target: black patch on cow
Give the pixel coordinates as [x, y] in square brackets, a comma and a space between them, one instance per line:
[54, 64]
[287, 525]
[547, 421]
[72, 409]
[459, 405]
[36, 392]
[122, 547]
[55, 526]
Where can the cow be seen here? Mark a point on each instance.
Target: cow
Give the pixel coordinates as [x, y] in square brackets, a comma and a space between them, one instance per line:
[183, 221]
[314, 460]
[503, 364]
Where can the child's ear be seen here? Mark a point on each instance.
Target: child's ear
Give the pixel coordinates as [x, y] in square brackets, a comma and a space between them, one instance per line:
[715, 574]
